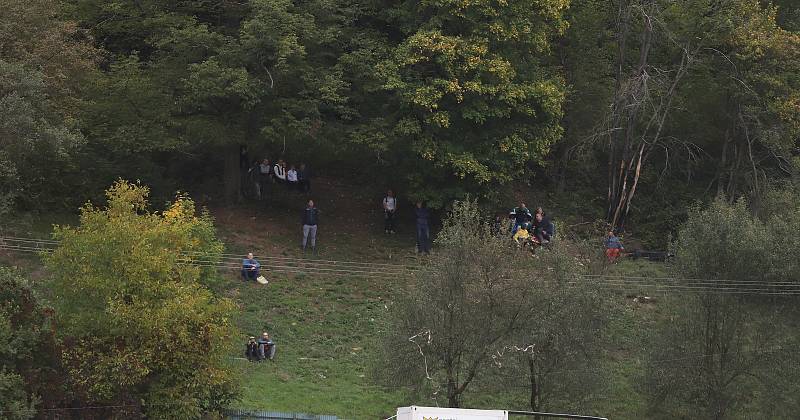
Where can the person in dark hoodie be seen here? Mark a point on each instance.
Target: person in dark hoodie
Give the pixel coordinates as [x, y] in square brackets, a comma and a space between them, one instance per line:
[543, 228]
[520, 215]
[252, 350]
[423, 228]
[266, 347]
[310, 220]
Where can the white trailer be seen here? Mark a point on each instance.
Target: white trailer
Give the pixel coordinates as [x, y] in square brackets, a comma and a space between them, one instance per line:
[436, 413]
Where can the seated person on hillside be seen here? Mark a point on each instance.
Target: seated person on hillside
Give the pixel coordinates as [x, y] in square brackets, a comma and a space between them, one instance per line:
[613, 247]
[251, 351]
[251, 268]
[543, 229]
[266, 347]
[522, 234]
[520, 215]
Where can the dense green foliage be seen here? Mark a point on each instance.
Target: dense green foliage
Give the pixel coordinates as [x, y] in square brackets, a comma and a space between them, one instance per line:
[629, 110]
[23, 348]
[669, 101]
[482, 312]
[44, 63]
[732, 354]
[137, 321]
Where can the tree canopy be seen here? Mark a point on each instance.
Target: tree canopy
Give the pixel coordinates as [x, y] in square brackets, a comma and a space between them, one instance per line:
[438, 98]
[138, 322]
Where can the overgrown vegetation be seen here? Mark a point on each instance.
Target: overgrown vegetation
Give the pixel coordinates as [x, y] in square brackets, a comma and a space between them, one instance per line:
[622, 100]
[732, 353]
[482, 310]
[137, 324]
[26, 351]
[673, 122]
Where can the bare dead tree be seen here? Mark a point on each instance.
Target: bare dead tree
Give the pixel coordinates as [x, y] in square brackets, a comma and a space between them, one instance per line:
[643, 101]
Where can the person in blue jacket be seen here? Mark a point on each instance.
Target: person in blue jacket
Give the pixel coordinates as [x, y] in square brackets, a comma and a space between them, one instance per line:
[520, 215]
[266, 347]
[251, 268]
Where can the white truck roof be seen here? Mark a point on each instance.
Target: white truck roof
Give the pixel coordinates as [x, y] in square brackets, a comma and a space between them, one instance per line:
[436, 413]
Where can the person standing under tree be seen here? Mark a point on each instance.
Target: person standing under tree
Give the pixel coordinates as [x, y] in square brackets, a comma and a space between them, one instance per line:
[310, 219]
[279, 171]
[423, 228]
[291, 178]
[264, 169]
[389, 209]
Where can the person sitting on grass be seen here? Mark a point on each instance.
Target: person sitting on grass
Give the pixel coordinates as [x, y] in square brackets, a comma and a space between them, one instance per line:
[251, 268]
[252, 350]
[520, 215]
[613, 247]
[522, 234]
[266, 348]
[543, 228]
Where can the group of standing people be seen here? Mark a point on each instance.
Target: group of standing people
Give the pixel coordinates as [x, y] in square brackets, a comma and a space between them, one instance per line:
[421, 214]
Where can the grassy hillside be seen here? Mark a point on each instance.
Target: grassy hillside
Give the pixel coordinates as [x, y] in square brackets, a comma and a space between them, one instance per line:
[326, 327]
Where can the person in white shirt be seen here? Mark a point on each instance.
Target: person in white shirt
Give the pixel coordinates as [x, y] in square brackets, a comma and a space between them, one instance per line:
[291, 178]
[389, 209]
[280, 171]
[263, 178]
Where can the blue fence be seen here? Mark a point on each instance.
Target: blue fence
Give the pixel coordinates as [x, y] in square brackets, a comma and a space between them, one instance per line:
[272, 415]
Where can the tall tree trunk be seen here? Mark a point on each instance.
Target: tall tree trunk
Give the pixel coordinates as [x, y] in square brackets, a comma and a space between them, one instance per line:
[630, 156]
[233, 174]
[452, 394]
[535, 398]
[614, 133]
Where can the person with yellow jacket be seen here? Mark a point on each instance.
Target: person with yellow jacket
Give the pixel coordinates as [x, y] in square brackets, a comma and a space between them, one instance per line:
[522, 234]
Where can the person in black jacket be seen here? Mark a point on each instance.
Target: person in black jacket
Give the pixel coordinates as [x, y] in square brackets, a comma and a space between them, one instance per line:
[543, 228]
[310, 219]
[520, 215]
[252, 350]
